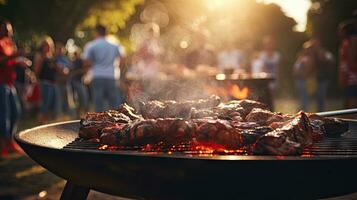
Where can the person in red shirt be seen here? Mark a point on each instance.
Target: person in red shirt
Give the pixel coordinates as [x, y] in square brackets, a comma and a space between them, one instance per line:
[9, 106]
[348, 64]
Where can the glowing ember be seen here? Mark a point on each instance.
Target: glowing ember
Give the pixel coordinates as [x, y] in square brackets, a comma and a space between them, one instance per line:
[200, 148]
[239, 93]
[103, 147]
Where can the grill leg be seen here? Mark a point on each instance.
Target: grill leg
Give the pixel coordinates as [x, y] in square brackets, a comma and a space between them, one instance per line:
[74, 192]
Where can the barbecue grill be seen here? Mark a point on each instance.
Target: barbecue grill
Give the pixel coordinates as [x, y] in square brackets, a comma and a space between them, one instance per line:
[326, 169]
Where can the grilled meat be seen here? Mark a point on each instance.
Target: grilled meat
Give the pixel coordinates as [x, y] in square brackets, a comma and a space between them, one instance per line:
[327, 125]
[129, 111]
[247, 106]
[175, 131]
[93, 123]
[237, 124]
[290, 139]
[171, 109]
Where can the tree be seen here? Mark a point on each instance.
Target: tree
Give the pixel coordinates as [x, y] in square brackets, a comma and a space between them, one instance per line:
[243, 23]
[61, 18]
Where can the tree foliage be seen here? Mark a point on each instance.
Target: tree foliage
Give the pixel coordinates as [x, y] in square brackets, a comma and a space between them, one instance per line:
[61, 18]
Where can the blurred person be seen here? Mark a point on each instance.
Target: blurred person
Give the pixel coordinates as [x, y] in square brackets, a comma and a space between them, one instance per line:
[64, 64]
[101, 56]
[47, 72]
[257, 64]
[302, 70]
[203, 53]
[230, 59]
[9, 103]
[80, 90]
[147, 58]
[20, 84]
[22, 79]
[271, 59]
[348, 63]
[324, 63]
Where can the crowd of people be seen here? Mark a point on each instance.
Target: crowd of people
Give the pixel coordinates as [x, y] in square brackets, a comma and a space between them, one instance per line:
[53, 82]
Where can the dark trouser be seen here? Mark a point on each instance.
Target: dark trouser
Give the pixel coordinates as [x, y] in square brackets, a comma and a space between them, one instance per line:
[105, 89]
[303, 96]
[9, 110]
[81, 94]
[50, 98]
[321, 94]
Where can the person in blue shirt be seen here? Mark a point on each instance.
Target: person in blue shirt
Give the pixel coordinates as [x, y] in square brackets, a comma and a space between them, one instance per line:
[102, 57]
[64, 64]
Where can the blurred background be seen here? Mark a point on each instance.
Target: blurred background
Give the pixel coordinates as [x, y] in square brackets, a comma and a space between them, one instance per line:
[290, 54]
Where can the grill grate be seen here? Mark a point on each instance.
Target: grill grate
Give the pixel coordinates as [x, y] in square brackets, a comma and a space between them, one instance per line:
[327, 147]
[345, 145]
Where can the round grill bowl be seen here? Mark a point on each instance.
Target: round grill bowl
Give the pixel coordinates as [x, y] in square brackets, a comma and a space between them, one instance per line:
[184, 176]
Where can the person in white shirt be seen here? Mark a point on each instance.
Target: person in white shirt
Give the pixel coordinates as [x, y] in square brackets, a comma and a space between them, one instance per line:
[230, 59]
[271, 59]
[257, 64]
[101, 55]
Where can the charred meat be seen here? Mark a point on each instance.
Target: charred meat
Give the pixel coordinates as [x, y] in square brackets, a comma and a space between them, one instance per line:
[234, 125]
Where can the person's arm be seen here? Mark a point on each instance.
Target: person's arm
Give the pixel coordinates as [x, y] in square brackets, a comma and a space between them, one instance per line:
[87, 57]
[79, 70]
[4, 58]
[121, 57]
[37, 63]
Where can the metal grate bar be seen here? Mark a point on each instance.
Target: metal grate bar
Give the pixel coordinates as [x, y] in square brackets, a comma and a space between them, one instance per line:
[341, 146]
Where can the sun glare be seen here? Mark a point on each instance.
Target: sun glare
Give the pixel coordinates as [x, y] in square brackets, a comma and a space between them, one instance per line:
[218, 4]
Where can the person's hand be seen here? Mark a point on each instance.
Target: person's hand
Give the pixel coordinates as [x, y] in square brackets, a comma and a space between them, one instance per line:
[23, 62]
[65, 71]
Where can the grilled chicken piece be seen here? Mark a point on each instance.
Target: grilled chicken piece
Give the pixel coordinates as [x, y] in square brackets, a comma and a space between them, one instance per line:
[171, 109]
[290, 139]
[93, 123]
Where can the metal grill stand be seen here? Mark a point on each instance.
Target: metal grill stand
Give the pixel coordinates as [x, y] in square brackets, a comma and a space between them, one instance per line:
[74, 192]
